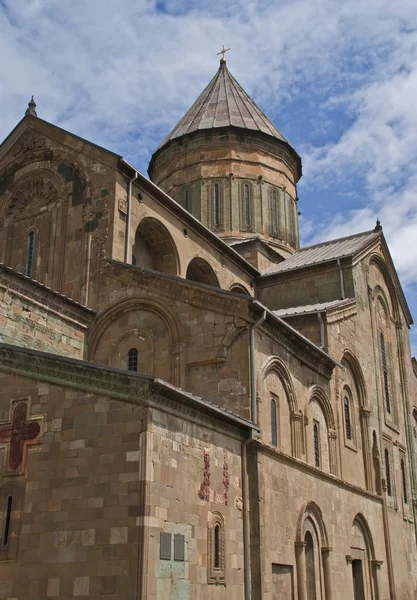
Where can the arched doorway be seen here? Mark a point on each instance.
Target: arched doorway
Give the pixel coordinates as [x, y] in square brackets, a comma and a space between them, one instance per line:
[154, 247]
[200, 271]
[362, 557]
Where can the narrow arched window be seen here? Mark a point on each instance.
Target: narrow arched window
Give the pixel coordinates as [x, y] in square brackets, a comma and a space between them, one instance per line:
[29, 253]
[246, 205]
[274, 436]
[348, 423]
[385, 372]
[133, 259]
[388, 472]
[404, 481]
[132, 360]
[7, 520]
[216, 205]
[187, 199]
[217, 547]
[316, 444]
[216, 564]
[274, 211]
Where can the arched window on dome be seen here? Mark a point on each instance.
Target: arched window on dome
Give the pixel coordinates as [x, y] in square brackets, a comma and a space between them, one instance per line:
[29, 253]
[246, 206]
[217, 205]
[132, 359]
[274, 213]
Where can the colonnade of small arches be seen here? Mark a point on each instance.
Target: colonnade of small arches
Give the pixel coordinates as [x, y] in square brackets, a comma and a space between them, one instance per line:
[281, 215]
[154, 248]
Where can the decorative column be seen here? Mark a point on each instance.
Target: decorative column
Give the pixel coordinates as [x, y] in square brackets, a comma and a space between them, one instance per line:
[374, 566]
[178, 375]
[300, 559]
[332, 437]
[367, 452]
[296, 434]
[327, 572]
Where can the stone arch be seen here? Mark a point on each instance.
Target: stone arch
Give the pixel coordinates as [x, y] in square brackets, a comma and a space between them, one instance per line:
[200, 271]
[154, 247]
[316, 393]
[105, 319]
[229, 339]
[330, 442]
[377, 260]
[350, 359]
[362, 555]
[310, 525]
[238, 288]
[275, 365]
[360, 392]
[310, 508]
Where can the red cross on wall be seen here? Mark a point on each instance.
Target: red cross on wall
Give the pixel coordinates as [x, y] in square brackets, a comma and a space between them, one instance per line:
[19, 433]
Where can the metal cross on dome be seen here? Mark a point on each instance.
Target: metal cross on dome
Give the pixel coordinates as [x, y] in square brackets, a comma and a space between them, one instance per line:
[223, 51]
[19, 433]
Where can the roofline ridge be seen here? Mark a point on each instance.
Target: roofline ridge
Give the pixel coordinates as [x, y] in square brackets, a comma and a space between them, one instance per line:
[346, 237]
[267, 121]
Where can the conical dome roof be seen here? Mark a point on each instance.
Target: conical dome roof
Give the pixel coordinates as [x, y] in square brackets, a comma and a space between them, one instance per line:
[224, 103]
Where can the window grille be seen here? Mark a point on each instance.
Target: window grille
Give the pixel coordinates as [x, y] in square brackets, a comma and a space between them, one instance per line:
[316, 445]
[348, 424]
[132, 360]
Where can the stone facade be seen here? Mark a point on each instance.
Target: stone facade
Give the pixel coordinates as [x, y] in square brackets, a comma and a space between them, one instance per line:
[195, 411]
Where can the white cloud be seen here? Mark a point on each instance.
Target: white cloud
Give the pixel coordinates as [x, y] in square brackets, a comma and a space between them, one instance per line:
[122, 73]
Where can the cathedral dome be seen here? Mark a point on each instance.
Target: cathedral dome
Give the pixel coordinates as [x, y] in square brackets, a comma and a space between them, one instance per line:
[228, 164]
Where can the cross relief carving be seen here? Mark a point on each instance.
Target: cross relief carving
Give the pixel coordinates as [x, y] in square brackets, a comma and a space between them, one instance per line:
[18, 435]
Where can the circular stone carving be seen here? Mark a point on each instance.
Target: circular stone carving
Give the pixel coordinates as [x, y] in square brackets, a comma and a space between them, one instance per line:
[31, 195]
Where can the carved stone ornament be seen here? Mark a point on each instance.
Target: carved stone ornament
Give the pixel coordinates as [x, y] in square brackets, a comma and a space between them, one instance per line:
[17, 435]
[32, 195]
[29, 141]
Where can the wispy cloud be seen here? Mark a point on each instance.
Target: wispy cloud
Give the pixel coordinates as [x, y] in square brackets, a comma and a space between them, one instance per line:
[339, 79]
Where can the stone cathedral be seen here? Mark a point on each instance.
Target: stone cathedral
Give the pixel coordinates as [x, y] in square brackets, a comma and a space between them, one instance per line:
[192, 406]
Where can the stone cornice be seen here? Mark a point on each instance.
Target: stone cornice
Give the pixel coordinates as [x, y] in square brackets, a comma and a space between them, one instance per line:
[120, 385]
[33, 292]
[313, 471]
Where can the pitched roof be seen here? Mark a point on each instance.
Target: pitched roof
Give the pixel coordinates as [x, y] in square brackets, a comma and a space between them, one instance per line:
[324, 252]
[224, 103]
[308, 309]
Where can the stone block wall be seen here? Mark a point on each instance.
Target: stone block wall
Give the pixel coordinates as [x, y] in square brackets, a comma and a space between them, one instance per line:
[33, 317]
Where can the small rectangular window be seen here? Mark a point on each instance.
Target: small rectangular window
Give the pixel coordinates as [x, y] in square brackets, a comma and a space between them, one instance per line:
[165, 546]
[179, 547]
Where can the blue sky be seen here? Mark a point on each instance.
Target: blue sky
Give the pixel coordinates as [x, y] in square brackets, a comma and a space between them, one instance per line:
[339, 79]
